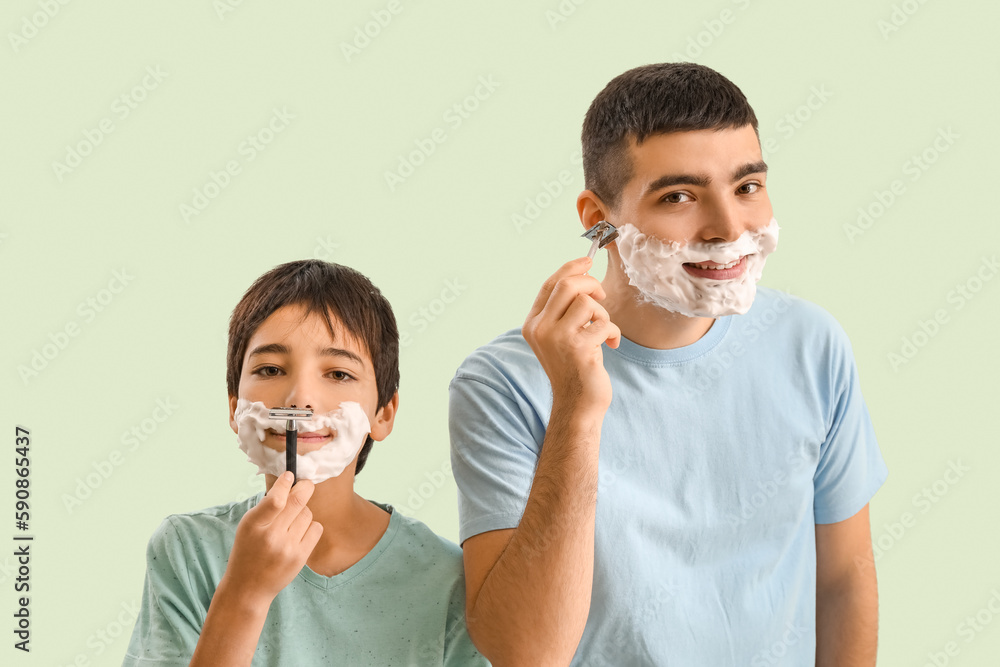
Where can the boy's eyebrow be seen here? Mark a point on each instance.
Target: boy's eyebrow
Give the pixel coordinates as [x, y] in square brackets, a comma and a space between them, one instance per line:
[278, 348]
[337, 352]
[271, 348]
[701, 180]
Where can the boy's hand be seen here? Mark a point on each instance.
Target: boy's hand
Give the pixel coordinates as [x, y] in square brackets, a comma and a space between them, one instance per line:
[566, 328]
[273, 541]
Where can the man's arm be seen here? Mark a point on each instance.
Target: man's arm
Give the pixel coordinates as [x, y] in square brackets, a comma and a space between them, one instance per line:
[528, 588]
[846, 594]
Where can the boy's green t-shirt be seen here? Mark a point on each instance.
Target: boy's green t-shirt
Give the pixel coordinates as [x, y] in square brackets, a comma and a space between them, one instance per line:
[402, 604]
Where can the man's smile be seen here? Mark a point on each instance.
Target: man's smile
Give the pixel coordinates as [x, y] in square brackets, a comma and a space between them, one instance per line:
[716, 271]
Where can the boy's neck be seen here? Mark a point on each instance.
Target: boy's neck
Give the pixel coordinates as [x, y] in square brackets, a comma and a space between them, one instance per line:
[644, 323]
[352, 526]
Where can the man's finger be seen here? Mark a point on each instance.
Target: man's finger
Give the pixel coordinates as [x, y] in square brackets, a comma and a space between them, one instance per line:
[575, 267]
[566, 291]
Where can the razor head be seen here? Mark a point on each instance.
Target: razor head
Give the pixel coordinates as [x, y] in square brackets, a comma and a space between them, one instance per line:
[290, 414]
[602, 233]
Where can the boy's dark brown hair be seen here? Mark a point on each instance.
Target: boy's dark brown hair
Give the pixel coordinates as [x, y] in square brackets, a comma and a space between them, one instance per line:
[322, 288]
[651, 100]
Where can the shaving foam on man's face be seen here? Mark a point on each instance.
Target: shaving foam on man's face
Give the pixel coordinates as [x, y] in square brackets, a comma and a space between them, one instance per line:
[342, 433]
[697, 279]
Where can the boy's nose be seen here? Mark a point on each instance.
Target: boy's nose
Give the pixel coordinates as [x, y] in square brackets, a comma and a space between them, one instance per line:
[301, 395]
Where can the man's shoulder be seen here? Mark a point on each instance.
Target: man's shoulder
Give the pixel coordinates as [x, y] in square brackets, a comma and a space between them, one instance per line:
[782, 310]
[505, 363]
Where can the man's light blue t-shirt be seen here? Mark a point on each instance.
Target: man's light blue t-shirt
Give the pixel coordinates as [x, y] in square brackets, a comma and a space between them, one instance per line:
[717, 460]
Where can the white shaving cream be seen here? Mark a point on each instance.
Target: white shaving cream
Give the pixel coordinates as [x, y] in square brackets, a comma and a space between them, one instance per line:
[656, 269]
[349, 426]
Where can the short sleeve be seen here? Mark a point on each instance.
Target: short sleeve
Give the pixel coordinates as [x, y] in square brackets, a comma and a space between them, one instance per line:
[495, 441]
[850, 468]
[172, 610]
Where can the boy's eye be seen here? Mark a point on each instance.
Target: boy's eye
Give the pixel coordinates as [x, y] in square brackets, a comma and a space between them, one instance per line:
[340, 375]
[268, 371]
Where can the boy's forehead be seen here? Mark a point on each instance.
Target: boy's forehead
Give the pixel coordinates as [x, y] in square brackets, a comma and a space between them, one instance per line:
[309, 327]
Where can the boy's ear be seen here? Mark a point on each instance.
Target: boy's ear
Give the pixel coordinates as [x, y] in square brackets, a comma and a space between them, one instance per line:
[232, 413]
[384, 418]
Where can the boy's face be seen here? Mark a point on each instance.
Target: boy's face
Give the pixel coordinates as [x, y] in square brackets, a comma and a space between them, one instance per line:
[698, 186]
[292, 359]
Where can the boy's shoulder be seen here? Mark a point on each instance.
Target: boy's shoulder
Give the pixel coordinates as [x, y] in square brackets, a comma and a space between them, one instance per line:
[202, 528]
[424, 546]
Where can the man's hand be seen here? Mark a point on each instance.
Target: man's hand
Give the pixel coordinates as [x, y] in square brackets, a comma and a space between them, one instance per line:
[566, 328]
[273, 540]
[528, 588]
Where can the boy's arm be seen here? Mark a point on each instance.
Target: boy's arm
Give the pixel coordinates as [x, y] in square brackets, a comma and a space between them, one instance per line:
[528, 588]
[273, 542]
[846, 594]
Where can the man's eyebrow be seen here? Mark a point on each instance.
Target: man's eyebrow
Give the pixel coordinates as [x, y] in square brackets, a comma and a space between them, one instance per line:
[758, 167]
[667, 180]
[701, 180]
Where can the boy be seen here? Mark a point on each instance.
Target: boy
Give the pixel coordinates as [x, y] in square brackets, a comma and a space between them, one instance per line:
[661, 469]
[312, 573]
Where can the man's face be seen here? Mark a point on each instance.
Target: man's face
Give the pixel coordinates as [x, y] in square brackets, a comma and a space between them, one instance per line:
[703, 186]
[291, 359]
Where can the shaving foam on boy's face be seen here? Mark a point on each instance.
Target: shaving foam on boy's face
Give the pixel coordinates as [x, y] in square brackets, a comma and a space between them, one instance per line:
[348, 427]
[656, 268]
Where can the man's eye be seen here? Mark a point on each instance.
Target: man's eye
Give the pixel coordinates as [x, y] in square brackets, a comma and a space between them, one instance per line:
[750, 188]
[675, 197]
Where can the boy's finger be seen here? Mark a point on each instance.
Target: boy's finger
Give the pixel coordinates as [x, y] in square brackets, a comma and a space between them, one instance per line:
[297, 528]
[276, 498]
[311, 537]
[294, 505]
[575, 267]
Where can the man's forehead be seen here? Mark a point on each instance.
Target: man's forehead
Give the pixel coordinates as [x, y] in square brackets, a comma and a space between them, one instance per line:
[727, 140]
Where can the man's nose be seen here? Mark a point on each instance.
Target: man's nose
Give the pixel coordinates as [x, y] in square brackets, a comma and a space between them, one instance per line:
[726, 222]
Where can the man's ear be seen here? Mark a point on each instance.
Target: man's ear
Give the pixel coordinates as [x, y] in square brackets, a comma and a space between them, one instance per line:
[591, 209]
[384, 418]
[232, 413]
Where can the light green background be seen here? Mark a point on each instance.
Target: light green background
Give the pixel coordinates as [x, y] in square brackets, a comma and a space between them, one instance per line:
[319, 190]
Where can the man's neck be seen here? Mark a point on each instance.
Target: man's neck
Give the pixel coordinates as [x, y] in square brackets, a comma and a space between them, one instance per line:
[647, 324]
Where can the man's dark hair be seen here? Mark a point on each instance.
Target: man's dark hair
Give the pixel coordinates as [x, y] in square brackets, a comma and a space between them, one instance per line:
[650, 100]
[321, 288]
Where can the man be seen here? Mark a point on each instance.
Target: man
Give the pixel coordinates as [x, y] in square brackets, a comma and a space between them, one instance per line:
[653, 470]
